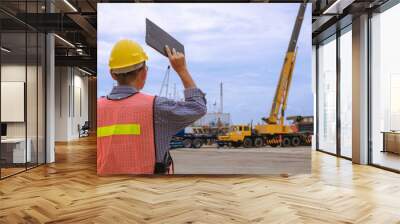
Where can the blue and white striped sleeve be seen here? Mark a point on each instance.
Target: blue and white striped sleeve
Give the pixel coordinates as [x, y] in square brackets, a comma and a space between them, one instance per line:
[171, 116]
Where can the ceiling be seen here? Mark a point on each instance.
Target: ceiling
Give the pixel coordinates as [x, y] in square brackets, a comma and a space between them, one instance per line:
[74, 22]
[329, 16]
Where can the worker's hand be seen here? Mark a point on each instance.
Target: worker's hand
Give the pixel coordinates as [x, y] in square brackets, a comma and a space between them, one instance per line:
[177, 60]
[178, 63]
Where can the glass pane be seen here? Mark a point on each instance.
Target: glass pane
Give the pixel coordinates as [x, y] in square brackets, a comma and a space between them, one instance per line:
[14, 153]
[23, 89]
[386, 89]
[346, 94]
[32, 96]
[41, 98]
[327, 96]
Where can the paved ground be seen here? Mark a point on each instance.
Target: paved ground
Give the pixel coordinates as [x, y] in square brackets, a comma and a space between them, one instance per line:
[267, 160]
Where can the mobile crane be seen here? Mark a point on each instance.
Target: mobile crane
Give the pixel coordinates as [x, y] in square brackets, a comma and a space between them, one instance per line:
[274, 132]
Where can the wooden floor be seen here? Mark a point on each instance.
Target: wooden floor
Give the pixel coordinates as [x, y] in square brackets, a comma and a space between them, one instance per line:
[10, 171]
[70, 192]
[387, 159]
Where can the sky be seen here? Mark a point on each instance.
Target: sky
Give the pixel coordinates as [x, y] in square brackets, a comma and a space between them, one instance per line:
[241, 45]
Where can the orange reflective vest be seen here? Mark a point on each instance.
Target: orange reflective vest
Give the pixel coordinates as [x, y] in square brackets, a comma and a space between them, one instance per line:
[125, 135]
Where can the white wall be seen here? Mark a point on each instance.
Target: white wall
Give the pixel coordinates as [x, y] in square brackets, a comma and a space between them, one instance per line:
[61, 103]
[71, 94]
[80, 109]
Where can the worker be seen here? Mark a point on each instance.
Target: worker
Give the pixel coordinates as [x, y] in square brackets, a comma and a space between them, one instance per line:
[134, 128]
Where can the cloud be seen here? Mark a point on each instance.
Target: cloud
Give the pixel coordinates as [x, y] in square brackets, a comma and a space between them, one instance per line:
[242, 45]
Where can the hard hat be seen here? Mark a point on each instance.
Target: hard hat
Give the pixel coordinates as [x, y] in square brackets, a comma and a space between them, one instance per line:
[126, 56]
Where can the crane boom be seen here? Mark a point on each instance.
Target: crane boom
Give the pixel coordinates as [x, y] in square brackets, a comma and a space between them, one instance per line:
[165, 82]
[274, 132]
[282, 89]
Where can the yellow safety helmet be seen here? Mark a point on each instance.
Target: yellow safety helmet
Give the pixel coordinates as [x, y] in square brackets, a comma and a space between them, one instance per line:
[126, 56]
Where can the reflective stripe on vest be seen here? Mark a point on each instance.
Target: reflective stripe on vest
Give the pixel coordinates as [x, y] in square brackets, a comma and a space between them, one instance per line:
[118, 129]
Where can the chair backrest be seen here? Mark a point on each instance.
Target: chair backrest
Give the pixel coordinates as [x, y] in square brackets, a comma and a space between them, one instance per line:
[86, 125]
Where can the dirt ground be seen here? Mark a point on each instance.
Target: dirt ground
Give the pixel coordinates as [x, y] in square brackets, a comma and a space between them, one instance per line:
[266, 160]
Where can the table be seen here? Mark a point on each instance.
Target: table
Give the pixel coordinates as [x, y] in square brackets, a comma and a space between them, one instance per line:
[13, 150]
[391, 141]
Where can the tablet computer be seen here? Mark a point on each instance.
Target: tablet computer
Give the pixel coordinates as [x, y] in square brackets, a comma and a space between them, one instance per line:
[157, 38]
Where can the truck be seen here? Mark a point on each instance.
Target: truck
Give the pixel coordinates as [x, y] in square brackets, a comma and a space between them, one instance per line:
[274, 131]
[246, 136]
[193, 137]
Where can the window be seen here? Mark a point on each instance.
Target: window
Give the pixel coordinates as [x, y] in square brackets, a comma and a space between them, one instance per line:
[385, 89]
[327, 95]
[346, 93]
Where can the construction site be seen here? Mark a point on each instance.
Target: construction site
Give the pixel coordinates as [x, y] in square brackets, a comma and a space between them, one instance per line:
[277, 144]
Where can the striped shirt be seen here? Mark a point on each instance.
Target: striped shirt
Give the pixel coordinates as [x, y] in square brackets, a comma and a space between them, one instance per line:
[170, 116]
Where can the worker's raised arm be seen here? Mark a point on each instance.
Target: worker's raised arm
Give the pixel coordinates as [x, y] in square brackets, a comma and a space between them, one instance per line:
[178, 63]
[171, 116]
[178, 114]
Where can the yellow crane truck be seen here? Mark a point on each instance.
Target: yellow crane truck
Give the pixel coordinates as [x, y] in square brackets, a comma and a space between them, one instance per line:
[274, 131]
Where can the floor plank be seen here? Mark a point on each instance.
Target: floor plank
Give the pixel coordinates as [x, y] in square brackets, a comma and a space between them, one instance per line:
[69, 191]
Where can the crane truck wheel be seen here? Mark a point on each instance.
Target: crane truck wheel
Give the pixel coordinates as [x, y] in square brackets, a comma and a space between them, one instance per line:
[236, 144]
[286, 142]
[197, 143]
[187, 143]
[258, 142]
[296, 141]
[247, 143]
[211, 142]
